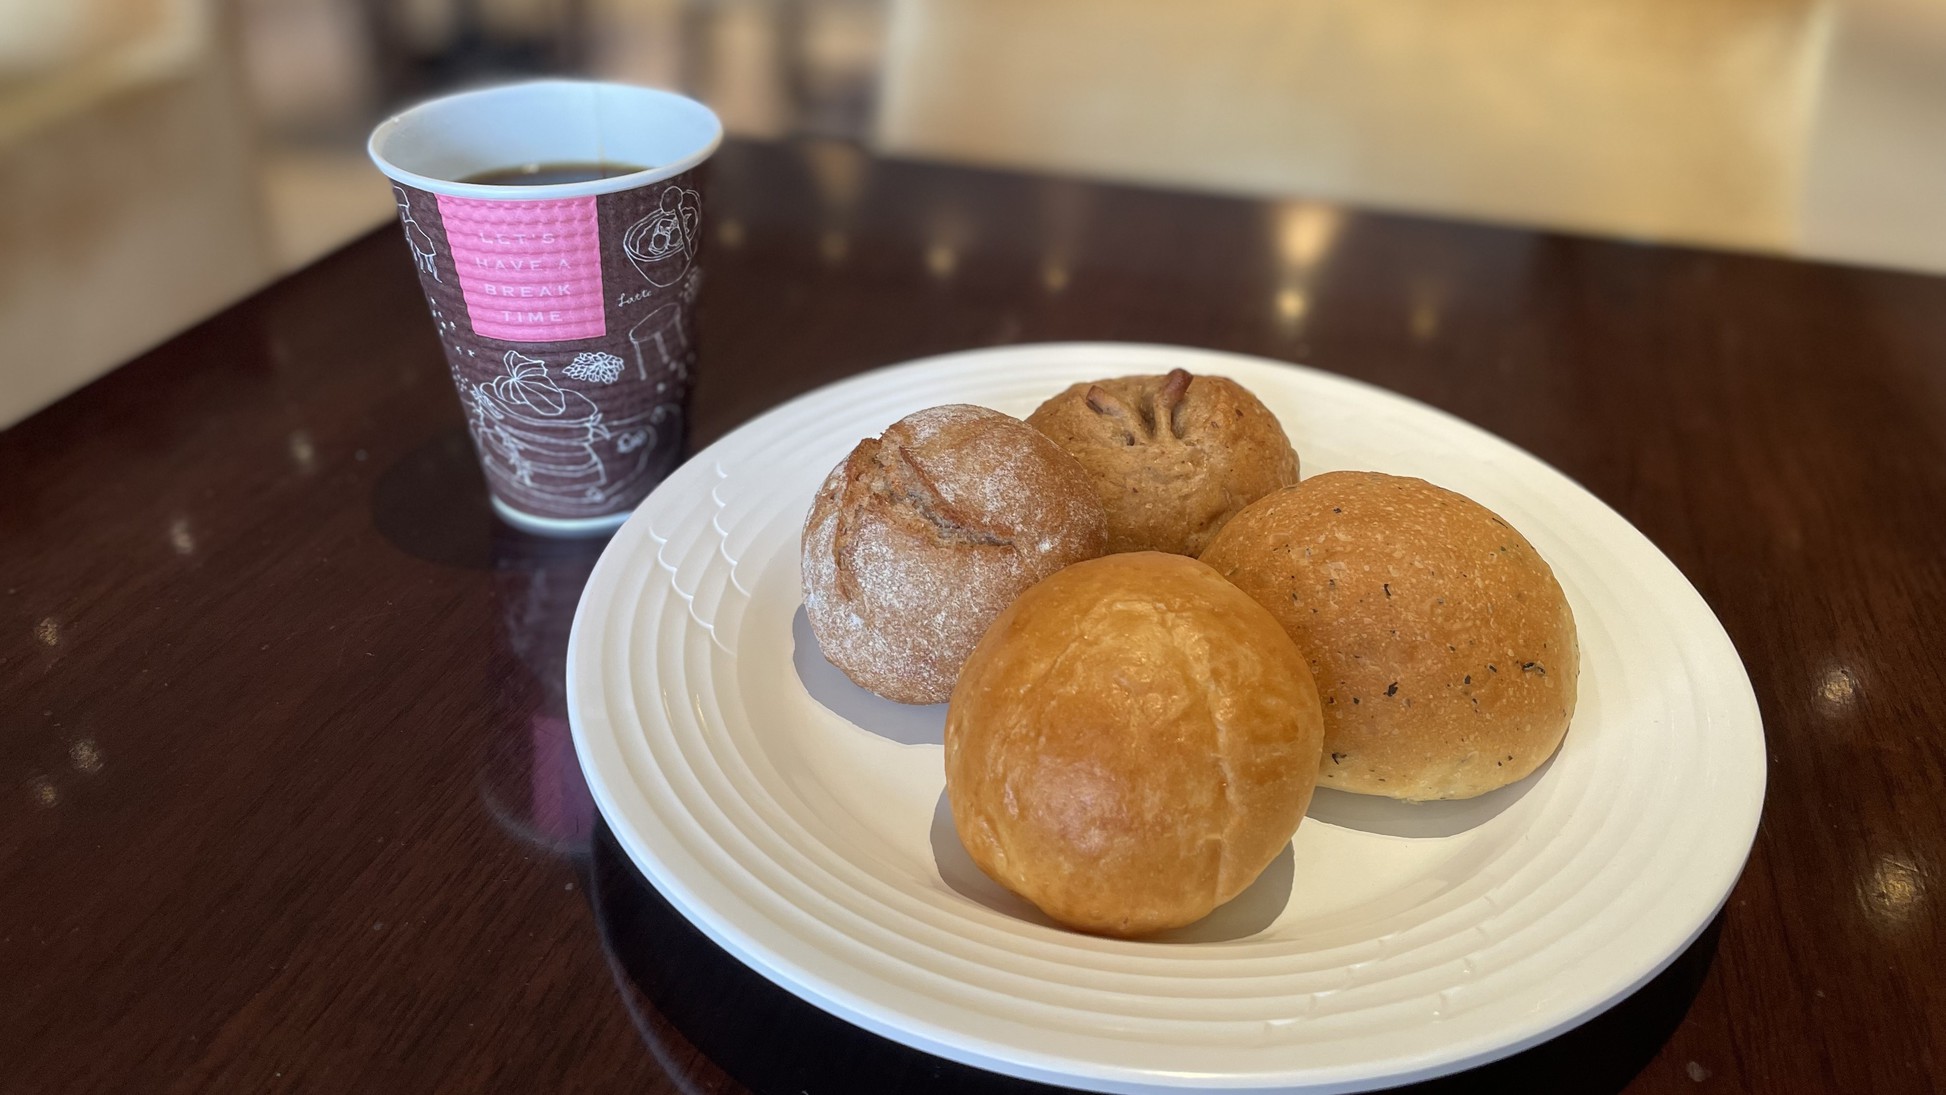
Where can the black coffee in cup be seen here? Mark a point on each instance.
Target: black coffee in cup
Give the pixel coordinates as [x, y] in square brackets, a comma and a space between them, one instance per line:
[547, 174]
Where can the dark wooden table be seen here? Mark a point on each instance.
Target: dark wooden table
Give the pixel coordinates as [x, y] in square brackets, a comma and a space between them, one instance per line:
[289, 798]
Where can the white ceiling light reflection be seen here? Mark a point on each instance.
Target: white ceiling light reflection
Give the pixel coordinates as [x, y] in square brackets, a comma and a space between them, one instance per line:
[1305, 234]
[1064, 213]
[303, 453]
[86, 756]
[43, 792]
[1837, 688]
[48, 631]
[837, 170]
[1425, 320]
[1894, 891]
[1054, 275]
[834, 247]
[180, 537]
[1291, 305]
[941, 260]
[1426, 304]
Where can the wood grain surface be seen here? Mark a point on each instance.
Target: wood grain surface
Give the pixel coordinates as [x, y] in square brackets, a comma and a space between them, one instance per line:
[287, 795]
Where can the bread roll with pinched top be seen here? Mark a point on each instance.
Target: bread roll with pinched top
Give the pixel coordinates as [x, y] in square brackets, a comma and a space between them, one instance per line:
[921, 536]
[1131, 744]
[1443, 647]
[1173, 457]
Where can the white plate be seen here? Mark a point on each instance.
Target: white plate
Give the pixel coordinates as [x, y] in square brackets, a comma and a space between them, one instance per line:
[799, 821]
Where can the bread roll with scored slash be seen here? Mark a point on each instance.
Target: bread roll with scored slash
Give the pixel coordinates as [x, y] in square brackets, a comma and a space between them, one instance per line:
[1131, 744]
[922, 535]
[1173, 457]
[1443, 647]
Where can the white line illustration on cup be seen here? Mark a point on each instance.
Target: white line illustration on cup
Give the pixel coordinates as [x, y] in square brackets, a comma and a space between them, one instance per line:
[660, 342]
[662, 245]
[596, 366]
[538, 440]
[552, 447]
[420, 240]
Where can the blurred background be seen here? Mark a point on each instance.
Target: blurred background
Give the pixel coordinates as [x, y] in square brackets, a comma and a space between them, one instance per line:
[161, 158]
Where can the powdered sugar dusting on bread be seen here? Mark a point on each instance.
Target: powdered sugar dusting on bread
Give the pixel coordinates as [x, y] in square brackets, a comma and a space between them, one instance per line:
[912, 550]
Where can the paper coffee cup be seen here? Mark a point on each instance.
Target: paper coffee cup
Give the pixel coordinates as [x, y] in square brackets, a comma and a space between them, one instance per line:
[566, 310]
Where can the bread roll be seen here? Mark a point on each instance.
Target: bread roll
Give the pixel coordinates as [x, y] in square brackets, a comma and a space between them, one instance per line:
[921, 536]
[1131, 744]
[1443, 648]
[1173, 457]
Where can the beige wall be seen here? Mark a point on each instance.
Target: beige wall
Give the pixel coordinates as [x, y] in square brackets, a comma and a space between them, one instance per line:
[1667, 119]
[128, 209]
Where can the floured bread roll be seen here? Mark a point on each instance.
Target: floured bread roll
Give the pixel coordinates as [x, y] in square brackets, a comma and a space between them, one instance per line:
[1443, 647]
[1173, 456]
[921, 536]
[1131, 744]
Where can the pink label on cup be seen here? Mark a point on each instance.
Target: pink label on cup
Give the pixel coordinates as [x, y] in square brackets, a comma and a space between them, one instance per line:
[530, 271]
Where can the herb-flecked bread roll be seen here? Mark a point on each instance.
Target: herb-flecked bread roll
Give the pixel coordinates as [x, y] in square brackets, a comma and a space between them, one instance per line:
[1443, 647]
[1173, 457]
[921, 536]
[1131, 744]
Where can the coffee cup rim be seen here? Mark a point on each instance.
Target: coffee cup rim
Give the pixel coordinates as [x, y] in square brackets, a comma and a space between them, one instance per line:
[394, 128]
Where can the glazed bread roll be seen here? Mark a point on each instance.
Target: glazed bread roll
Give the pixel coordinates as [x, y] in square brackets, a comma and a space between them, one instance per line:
[1173, 457]
[921, 536]
[1443, 648]
[1131, 744]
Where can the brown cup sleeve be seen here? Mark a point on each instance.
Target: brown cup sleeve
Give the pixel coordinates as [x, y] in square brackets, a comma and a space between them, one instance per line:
[569, 330]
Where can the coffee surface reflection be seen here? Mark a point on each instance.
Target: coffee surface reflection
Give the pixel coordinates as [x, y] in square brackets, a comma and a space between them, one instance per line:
[548, 174]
